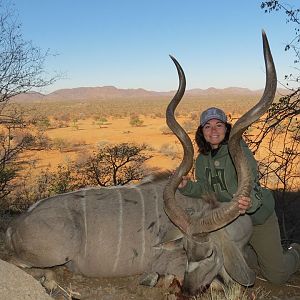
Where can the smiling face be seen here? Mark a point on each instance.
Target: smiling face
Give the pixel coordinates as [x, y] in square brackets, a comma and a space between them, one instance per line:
[214, 132]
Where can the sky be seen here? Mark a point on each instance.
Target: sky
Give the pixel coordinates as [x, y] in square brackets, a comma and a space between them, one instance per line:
[126, 43]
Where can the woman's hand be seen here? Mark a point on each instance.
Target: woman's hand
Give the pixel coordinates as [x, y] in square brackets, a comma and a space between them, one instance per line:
[244, 204]
[183, 182]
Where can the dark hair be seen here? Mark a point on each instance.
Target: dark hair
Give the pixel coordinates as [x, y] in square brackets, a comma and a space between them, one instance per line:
[203, 146]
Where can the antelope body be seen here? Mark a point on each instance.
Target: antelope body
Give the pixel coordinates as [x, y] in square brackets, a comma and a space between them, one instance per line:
[105, 231]
[129, 230]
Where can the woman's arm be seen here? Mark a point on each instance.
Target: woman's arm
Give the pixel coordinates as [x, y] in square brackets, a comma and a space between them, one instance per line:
[196, 188]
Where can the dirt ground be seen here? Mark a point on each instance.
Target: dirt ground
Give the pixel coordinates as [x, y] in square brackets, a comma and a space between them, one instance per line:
[90, 136]
[165, 150]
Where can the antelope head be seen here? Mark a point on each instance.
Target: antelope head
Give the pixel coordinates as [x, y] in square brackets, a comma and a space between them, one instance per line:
[201, 252]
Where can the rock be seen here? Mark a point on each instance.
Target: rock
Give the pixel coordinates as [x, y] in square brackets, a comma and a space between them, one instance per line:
[16, 284]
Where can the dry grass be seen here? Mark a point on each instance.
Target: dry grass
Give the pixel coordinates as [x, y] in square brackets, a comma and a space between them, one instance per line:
[234, 292]
[124, 107]
[68, 143]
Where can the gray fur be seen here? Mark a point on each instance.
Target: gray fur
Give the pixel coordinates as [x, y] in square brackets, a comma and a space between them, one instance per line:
[120, 231]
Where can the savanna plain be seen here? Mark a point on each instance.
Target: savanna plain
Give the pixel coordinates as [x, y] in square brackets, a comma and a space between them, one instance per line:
[70, 131]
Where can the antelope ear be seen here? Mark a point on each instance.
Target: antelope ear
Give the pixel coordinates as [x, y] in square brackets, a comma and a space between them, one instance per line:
[171, 241]
[235, 264]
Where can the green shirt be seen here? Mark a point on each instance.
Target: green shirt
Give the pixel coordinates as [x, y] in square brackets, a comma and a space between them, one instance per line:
[217, 174]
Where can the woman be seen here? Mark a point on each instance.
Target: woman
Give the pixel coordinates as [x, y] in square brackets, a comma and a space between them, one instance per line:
[215, 172]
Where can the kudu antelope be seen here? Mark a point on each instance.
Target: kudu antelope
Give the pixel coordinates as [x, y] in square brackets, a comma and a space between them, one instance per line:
[124, 230]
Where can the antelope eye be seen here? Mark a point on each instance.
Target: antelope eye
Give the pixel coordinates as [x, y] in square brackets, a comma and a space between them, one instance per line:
[208, 253]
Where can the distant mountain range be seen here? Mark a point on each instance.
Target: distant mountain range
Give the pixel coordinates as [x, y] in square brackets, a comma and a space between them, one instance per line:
[111, 92]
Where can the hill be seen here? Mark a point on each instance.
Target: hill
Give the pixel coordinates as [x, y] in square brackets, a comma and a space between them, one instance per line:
[111, 92]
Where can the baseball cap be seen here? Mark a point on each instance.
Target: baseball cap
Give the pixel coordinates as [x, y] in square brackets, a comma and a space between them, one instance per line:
[212, 113]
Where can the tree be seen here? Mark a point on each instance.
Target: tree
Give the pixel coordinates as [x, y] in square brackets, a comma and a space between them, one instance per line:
[21, 63]
[11, 145]
[21, 70]
[114, 165]
[282, 118]
[291, 16]
[279, 130]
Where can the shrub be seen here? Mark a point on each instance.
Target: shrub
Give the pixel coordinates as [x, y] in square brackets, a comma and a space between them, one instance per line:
[168, 150]
[113, 165]
[60, 144]
[135, 121]
[101, 122]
